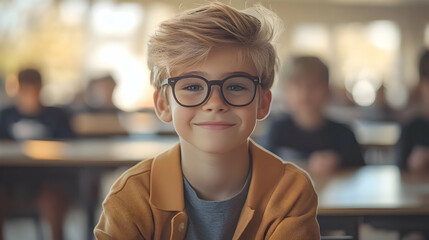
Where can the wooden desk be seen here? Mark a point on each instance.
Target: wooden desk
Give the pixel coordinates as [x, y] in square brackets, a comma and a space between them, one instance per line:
[381, 194]
[84, 152]
[88, 157]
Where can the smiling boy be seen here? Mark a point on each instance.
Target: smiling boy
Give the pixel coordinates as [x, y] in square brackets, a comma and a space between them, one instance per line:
[212, 68]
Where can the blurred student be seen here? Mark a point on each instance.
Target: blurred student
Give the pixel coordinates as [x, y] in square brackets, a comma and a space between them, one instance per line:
[305, 134]
[413, 144]
[212, 69]
[29, 119]
[95, 114]
[97, 96]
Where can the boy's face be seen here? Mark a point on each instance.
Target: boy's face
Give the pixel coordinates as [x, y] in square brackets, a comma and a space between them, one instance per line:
[28, 97]
[306, 94]
[215, 126]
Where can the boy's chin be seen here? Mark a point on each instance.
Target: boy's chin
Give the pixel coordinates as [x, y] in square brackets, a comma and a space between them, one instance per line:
[215, 147]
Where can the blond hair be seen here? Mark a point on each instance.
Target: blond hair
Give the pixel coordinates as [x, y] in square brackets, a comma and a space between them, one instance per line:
[188, 38]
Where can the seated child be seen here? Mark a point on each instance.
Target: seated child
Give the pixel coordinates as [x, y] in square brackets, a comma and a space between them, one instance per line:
[28, 118]
[319, 144]
[413, 144]
[212, 69]
[48, 188]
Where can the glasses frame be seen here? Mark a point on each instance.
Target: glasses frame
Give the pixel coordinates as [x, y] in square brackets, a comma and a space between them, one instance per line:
[173, 80]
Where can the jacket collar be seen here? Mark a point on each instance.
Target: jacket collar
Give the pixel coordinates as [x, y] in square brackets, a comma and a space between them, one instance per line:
[166, 190]
[166, 181]
[266, 172]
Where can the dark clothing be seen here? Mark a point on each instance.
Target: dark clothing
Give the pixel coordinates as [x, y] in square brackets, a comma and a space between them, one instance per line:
[288, 140]
[414, 133]
[24, 182]
[50, 123]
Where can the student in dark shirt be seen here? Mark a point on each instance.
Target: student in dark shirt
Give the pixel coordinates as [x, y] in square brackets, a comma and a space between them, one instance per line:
[29, 119]
[48, 189]
[413, 144]
[306, 134]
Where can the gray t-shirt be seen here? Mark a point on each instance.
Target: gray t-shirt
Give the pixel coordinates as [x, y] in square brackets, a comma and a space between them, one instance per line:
[213, 220]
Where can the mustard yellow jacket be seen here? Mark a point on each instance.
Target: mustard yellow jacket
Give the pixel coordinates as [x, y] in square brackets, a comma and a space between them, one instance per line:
[147, 201]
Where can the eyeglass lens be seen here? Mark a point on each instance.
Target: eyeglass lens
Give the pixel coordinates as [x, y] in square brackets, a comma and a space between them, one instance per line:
[194, 91]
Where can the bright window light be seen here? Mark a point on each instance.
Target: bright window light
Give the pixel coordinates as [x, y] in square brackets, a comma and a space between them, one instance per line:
[362, 75]
[367, 59]
[310, 39]
[73, 12]
[115, 19]
[134, 90]
[363, 93]
[384, 35]
[133, 87]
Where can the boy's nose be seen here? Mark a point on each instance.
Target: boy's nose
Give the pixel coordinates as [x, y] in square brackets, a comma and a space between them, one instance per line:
[215, 101]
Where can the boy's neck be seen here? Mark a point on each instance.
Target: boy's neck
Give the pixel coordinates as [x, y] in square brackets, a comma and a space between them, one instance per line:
[215, 177]
[29, 110]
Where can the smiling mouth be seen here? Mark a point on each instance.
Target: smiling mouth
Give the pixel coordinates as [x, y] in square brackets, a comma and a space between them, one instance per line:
[214, 125]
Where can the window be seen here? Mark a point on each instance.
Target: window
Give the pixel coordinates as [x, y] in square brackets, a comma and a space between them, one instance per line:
[310, 39]
[368, 60]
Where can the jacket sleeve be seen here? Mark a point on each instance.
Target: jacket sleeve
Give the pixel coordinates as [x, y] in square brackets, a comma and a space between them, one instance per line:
[117, 222]
[124, 217]
[300, 222]
[303, 227]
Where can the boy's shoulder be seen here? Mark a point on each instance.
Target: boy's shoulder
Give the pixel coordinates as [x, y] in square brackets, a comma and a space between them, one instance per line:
[164, 169]
[276, 166]
[139, 174]
[287, 188]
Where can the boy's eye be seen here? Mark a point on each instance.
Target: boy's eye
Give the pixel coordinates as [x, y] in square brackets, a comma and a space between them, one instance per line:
[235, 88]
[194, 87]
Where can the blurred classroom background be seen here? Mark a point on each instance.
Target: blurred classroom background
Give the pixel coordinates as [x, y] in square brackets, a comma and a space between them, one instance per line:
[92, 58]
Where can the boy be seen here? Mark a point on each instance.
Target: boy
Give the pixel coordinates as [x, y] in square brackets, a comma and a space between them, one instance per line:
[413, 145]
[212, 68]
[29, 119]
[318, 144]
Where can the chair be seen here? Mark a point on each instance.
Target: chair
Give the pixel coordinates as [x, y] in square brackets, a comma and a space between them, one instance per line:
[28, 213]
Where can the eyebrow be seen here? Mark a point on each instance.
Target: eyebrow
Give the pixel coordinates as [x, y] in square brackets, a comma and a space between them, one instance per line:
[204, 74]
[199, 73]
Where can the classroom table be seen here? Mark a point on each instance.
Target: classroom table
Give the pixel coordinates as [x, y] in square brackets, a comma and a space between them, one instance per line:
[382, 196]
[90, 158]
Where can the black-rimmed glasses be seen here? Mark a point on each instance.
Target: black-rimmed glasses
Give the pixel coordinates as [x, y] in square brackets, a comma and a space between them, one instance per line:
[193, 90]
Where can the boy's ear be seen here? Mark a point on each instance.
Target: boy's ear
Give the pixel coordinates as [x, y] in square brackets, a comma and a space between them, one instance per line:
[162, 106]
[264, 104]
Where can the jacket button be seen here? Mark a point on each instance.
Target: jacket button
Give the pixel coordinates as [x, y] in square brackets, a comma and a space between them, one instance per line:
[181, 227]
